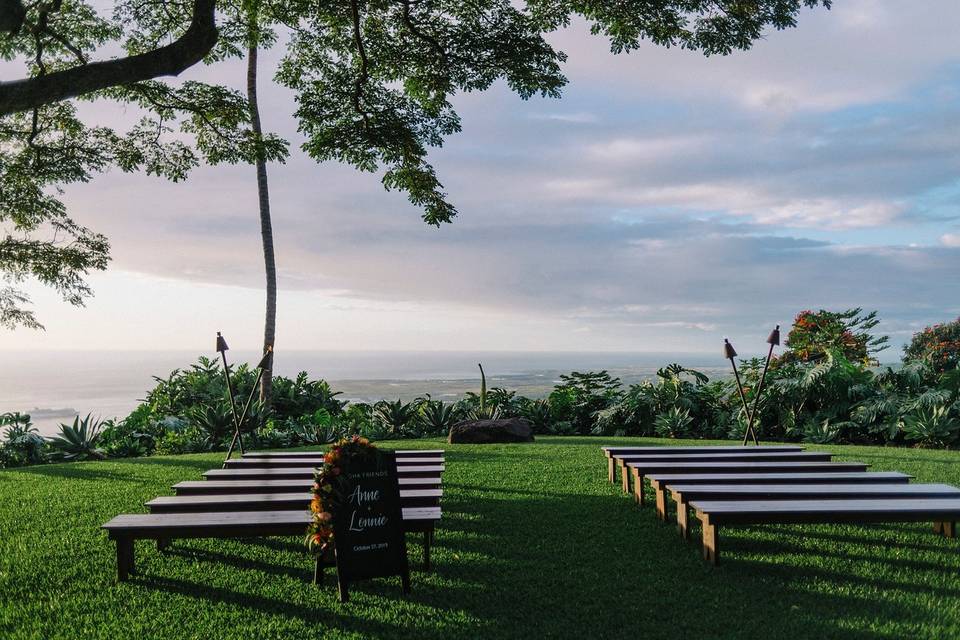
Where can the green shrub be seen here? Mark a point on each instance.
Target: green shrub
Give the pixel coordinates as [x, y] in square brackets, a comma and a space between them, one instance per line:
[938, 346]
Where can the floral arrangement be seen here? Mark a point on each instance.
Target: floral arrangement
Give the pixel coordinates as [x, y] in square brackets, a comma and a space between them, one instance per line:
[329, 489]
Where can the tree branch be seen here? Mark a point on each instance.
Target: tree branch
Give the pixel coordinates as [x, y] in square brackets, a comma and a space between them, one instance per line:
[170, 60]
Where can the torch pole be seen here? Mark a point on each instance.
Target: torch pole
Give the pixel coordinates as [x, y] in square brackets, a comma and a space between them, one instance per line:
[756, 400]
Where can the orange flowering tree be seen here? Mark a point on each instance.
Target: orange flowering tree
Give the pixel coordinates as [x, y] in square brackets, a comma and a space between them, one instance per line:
[330, 489]
[814, 333]
[938, 346]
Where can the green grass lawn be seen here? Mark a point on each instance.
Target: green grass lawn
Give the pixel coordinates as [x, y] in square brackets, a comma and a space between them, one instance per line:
[534, 543]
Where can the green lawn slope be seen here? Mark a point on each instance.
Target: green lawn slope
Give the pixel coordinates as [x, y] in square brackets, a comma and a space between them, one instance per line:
[534, 543]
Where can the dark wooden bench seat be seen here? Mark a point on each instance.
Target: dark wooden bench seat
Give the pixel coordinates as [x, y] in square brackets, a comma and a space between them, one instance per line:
[270, 501]
[943, 512]
[127, 528]
[211, 487]
[304, 461]
[293, 473]
[641, 469]
[660, 481]
[684, 494]
[613, 452]
[752, 456]
[401, 453]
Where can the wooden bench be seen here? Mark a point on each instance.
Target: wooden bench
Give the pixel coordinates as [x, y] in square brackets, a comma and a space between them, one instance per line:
[613, 452]
[684, 494]
[660, 481]
[293, 473]
[304, 461]
[127, 528]
[641, 469]
[401, 453]
[753, 456]
[943, 512]
[213, 487]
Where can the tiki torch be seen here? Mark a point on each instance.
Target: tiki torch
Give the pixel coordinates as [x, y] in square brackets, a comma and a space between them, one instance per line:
[238, 420]
[730, 354]
[773, 340]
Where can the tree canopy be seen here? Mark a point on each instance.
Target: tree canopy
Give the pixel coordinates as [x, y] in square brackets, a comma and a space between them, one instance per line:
[373, 82]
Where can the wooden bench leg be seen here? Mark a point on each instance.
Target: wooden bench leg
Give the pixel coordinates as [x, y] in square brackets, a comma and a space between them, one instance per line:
[661, 500]
[625, 477]
[611, 470]
[683, 521]
[427, 541]
[637, 486]
[947, 529]
[318, 570]
[125, 559]
[711, 548]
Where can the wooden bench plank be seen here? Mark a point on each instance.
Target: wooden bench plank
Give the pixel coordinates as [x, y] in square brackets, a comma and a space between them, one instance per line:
[659, 481]
[405, 453]
[210, 487]
[304, 472]
[751, 455]
[279, 463]
[270, 501]
[125, 529]
[683, 494]
[641, 469]
[943, 512]
[611, 452]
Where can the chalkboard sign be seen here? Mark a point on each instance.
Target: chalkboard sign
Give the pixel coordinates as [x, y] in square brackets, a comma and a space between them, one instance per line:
[368, 523]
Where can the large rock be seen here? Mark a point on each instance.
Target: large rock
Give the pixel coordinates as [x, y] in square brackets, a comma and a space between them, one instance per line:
[490, 431]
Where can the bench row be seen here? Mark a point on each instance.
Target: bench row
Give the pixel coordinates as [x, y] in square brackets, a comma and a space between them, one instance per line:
[265, 501]
[728, 485]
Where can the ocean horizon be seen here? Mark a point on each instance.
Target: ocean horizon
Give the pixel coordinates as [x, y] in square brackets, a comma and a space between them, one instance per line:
[54, 386]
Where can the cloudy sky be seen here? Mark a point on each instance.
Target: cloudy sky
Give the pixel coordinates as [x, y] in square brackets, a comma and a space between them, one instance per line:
[666, 201]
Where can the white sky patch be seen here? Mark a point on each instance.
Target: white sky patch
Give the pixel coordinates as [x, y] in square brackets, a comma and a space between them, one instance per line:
[581, 117]
[950, 239]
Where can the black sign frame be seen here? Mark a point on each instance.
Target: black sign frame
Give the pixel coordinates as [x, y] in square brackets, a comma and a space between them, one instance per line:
[369, 537]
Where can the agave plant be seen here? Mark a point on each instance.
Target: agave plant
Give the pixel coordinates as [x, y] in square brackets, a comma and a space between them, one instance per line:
[397, 417]
[932, 427]
[319, 428]
[436, 417]
[79, 440]
[675, 423]
[537, 413]
[215, 422]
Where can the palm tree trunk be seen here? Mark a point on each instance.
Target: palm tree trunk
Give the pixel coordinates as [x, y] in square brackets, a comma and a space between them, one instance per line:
[266, 226]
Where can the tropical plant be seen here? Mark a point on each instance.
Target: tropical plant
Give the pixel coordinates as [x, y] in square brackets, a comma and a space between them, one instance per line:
[937, 345]
[538, 414]
[814, 334]
[22, 444]
[215, 422]
[934, 426]
[189, 439]
[581, 396]
[675, 423]
[398, 418]
[79, 441]
[436, 417]
[320, 427]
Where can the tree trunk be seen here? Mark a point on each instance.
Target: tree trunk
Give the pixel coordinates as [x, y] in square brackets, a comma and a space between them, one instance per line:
[266, 226]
